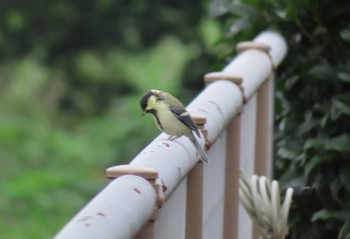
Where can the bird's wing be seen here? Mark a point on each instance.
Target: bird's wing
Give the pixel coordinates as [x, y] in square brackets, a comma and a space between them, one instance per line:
[184, 117]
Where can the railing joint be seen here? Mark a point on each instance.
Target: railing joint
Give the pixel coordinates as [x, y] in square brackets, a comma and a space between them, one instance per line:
[200, 122]
[246, 45]
[150, 174]
[236, 79]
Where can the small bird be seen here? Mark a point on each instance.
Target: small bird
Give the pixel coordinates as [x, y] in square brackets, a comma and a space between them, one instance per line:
[171, 117]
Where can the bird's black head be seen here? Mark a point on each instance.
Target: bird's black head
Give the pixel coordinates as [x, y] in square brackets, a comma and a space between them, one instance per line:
[148, 101]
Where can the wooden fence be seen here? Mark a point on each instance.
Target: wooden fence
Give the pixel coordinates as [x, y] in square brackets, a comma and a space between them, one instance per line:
[165, 193]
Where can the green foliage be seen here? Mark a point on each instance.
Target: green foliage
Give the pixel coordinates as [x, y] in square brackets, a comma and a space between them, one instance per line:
[313, 104]
[71, 77]
[61, 27]
[53, 158]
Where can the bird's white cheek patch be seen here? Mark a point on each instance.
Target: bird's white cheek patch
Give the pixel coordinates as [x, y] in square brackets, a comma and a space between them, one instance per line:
[151, 102]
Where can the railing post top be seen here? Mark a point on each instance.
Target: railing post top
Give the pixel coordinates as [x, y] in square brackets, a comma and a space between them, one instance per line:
[120, 170]
[236, 79]
[213, 76]
[149, 174]
[245, 45]
[199, 120]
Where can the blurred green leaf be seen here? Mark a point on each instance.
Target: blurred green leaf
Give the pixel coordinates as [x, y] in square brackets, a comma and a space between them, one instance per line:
[320, 30]
[325, 214]
[286, 153]
[314, 162]
[308, 124]
[335, 113]
[324, 72]
[344, 76]
[345, 34]
[218, 8]
[290, 82]
[241, 9]
[345, 231]
[343, 107]
[339, 143]
[15, 20]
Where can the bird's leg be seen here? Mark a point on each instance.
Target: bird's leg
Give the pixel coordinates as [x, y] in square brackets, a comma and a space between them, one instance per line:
[172, 137]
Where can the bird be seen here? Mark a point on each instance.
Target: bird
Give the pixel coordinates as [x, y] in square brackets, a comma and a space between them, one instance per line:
[172, 118]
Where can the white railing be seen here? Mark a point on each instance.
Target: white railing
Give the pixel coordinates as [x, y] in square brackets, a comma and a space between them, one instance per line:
[165, 193]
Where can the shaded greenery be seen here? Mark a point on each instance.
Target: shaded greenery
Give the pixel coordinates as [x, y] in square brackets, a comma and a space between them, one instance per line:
[313, 104]
[53, 158]
[71, 76]
[62, 26]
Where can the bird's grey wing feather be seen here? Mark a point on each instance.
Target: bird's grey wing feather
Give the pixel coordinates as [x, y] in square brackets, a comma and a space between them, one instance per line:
[184, 117]
[179, 111]
[203, 155]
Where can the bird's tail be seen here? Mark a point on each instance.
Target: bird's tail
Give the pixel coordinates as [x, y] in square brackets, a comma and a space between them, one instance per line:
[203, 155]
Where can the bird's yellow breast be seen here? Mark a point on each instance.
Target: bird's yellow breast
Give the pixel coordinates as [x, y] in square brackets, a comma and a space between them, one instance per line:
[169, 123]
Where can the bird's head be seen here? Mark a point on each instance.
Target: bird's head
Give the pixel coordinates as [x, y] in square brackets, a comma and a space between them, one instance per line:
[149, 100]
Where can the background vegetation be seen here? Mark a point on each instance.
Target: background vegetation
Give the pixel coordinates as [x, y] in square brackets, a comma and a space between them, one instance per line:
[312, 145]
[71, 76]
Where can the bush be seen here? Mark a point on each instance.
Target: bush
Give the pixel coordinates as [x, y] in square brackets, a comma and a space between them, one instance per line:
[312, 145]
[71, 76]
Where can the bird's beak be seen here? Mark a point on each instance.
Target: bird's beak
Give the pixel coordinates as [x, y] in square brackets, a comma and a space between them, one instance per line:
[143, 113]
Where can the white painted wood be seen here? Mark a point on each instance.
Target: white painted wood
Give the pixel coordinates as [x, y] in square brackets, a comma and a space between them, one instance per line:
[213, 195]
[118, 212]
[254, 66]
[171, 222]
[271, 82]
[248, 124]
[278, 46]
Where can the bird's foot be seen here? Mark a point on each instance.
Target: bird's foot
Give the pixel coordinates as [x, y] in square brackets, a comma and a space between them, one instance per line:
[172, 137]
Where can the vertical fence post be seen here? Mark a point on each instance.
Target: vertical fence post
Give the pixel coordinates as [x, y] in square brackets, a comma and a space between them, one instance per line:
[263, 134]
[262, 162]
[263, 137]
[194, 195]
[264, 111]
[194, 202]
[231, 200]
[147, 231]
